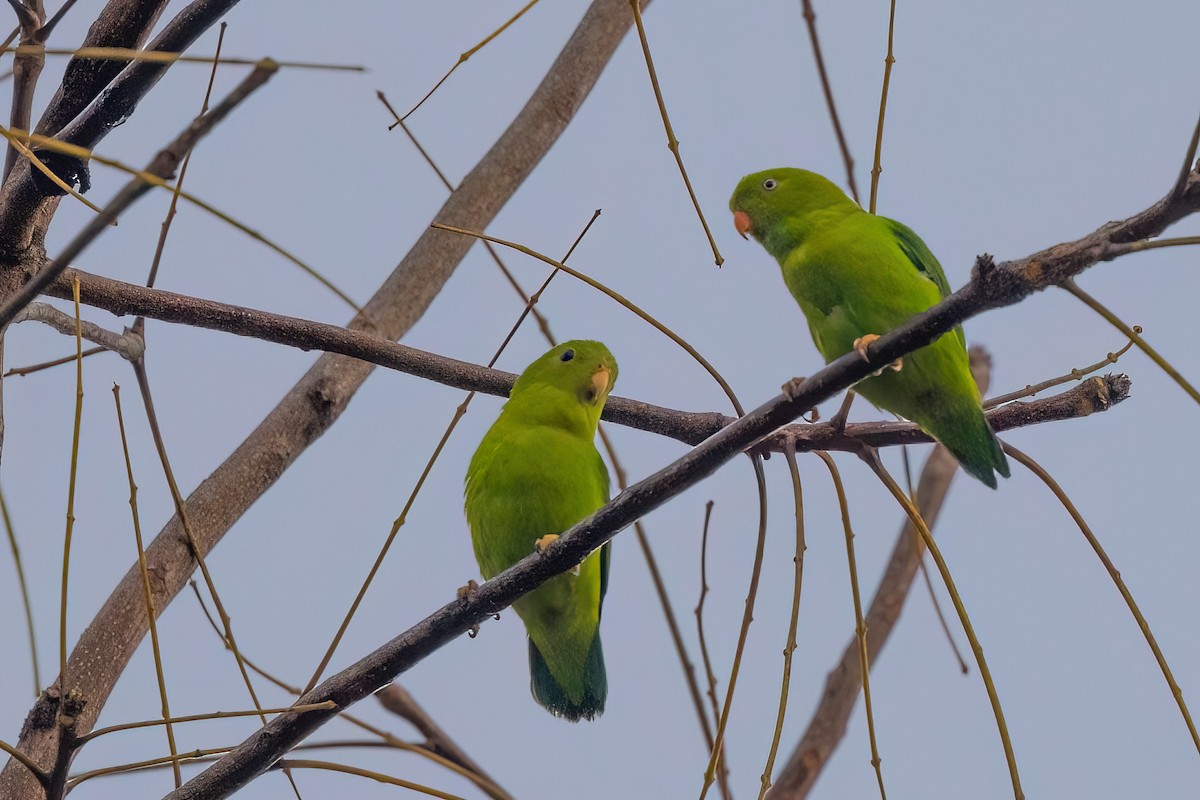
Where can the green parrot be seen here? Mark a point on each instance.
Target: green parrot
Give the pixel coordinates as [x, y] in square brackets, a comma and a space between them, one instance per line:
[856, 275]
[535, 474]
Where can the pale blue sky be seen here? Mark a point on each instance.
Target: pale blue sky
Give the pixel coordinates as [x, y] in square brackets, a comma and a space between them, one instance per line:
[1010, 128]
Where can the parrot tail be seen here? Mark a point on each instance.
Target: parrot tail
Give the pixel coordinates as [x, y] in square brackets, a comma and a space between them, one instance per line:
[977, 449]
[550, 693]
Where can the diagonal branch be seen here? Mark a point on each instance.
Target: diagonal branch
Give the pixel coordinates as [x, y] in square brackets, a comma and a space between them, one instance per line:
[991, 286]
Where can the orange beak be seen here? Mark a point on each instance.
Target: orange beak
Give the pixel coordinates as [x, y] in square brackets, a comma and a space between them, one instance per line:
[600, 381]
[741, 221]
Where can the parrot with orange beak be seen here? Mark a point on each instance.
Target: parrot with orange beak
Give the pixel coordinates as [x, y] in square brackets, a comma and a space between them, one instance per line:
[855, 276]
[536, 473]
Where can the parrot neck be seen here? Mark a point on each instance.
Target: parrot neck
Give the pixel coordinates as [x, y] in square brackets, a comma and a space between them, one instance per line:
[787, 234]
[551, 406]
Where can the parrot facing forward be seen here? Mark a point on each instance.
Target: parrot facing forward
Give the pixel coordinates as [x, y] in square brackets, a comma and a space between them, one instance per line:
[535, 474]
[856, 275]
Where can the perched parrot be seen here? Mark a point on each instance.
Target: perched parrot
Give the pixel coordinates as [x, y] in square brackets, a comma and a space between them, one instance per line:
[535, 474]
[856, 275]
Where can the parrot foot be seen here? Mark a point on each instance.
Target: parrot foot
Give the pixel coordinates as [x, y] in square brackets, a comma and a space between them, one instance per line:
[468, 594]
[792, 388]
[863, 342]
[545, 541]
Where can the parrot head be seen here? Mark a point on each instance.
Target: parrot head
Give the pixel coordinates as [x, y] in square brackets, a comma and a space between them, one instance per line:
[769, 205]
[566, 386]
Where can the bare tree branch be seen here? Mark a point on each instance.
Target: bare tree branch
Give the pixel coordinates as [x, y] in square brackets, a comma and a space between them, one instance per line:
[26, 207]
[691, 427]
[991, 286]
[163, 166]
[317, 401]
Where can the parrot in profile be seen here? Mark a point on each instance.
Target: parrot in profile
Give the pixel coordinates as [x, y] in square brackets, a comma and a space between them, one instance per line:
[856, 275]
[536, 473]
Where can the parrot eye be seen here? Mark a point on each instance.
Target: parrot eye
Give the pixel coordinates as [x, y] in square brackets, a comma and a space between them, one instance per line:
[568, 355]
[770, 183]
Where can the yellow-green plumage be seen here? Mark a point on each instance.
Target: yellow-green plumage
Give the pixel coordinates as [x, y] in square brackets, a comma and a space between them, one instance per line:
[854, 274]
[537, 472]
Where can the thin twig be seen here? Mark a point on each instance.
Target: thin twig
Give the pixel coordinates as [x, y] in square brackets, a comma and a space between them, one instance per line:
[810, 20]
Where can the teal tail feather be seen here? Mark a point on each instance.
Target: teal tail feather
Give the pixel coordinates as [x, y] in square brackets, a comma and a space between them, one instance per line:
[978, 450]
[554, 697]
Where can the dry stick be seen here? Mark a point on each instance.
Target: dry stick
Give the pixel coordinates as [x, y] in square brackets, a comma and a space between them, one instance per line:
[165, 227]
[462, 59]
[306, 763]
[181, 510]
[190, 756]
[872, 459]
[887, 77]
[20, 567]
[162, 166]
[1076, 374]
[398, 523]
[399, 701]
[71, 700]
[1113, 573]
[747, 617]
[148, 596]
[66, 565]
[810, 19]
[790, 646]
[543, 326]
[709, 674]
[21, 372]
[82, 153]
[672, 142]
[149, 723]
[860, 628]
[128, 54]
[466, 767]
[1134, 334]
[129, 346]
[317, 401]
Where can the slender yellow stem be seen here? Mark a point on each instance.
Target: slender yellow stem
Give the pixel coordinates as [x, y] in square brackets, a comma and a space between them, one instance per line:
[66, 565]
[148, 596]
[860, 627]
[872, 459]
[672, 142]
[462, 59]
[1113, 573]
[789, 647]
[29, 626]
[887, 78]
[1135, 335]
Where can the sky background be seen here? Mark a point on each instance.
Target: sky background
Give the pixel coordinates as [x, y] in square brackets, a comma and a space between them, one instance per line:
[1010, 127]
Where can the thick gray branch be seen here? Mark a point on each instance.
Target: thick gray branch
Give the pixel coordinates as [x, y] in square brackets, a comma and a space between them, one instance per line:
[991, 286]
